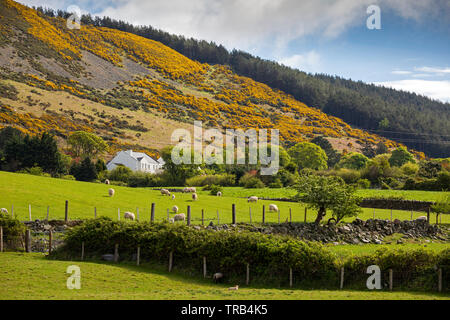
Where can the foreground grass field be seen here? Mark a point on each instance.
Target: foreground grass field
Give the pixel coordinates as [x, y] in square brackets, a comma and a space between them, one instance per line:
[21, 190]
[32, 276]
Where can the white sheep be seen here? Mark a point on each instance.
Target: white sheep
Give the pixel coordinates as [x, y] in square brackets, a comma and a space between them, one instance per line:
[179, 217]
[189, 190]
[107, 181]
[111, 192]
[171, 220]
[217, 276]
[422, 218]
[236, 287]
[252, 199]
[219, 194]
[173, 197]
[273, 208]
[165, 192]
[4, 210]
[129, 216]
[194, 197]
[175, 209]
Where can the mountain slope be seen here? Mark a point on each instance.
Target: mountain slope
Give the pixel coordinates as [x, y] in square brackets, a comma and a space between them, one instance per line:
[133, 91]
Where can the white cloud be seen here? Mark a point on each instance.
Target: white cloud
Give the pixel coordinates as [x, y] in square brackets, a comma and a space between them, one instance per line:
[438, 71]
[308, 62]
[401, 72]
[439, 90]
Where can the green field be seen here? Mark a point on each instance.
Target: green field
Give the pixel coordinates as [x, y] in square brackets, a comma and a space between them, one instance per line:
[31, 276]
[21, 190]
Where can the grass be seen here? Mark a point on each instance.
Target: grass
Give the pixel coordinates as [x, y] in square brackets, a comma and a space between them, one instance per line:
[33, 277]
[22, 190]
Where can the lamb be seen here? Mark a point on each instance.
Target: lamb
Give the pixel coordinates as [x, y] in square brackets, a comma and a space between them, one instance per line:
[179, 217]
[165, 192]
[236, 287]
[252, 199]
[171, 220]
[129, 216]
[217, 276]
[273, 208]
[194, 197]
[111, 192]
[107, 182]
[175, 209]
[173, 197]
[422, 218]
[219, 194]
[4, 210]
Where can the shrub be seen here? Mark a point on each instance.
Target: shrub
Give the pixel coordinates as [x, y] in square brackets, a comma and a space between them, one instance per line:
[224, 180]
[348, 175]
[13, 229]
[250, 181]
[215, 189]
[276, 184]
[68, 177]
[363, 184]
[120, 173]
[410, 169]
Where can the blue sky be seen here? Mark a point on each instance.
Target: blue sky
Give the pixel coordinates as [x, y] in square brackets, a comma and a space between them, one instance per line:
[411, 51]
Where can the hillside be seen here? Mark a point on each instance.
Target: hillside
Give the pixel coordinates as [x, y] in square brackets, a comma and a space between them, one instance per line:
[134, 91]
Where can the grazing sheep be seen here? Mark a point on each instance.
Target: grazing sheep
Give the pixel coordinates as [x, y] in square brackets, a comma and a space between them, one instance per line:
[3, 210]
[236, 287]
[252, 199]
[129, 216]
[422, 218]
[190, 190]
[107, 181]
[194, 197]
[219, 194]
[175, 209]
[179, 217]
[111, 192]
[165, 192]
[273, 208]
[217, 277]
[171, 220]
[173, 197]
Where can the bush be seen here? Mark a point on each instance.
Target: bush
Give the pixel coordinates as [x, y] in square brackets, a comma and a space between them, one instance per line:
[68, 177]
[215, 189]
[348, 175]
[227, 252]
[276, 184]
[410, 169]
[120, 173]
[250, 181]
[13, 229]
[363, 184]
[224, 180]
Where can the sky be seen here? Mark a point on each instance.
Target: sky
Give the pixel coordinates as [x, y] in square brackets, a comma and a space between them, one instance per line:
[409, 49]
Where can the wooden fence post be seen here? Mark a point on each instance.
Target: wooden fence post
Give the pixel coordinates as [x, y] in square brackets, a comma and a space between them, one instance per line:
[95, 212]
[189, 215]
[278, 216]
[247, 278]
[28, 241]
[153, 213]
[1, 239]
[168, 214]
[218, 218]
[138, 256]
[29, 211]
[306, 213]
[116, 253]
[66, 211]
[412, 215]
[204, 267]
[264, 215]
[437, 218]
[118, 214]
[250, 211]
[428, 215]
[50, 236]
[170, 261]
[48, 212]
[373, 213]
[233, 209]
[203, 217]
[290, 278]
[290, 215]
[82, 251]
[440, 280]
[342, 279]
[391, 279]
[12, 211]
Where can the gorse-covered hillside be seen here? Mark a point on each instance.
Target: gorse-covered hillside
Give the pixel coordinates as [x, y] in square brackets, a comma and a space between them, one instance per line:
[134, 91]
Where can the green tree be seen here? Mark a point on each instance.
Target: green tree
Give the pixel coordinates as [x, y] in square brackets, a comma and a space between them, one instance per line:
[328, 193]
[308, 155]
[353, 160]
[381, 148]
[177, 174]
[85, 171]
[86, 144]
[333, 156]
[400, 156]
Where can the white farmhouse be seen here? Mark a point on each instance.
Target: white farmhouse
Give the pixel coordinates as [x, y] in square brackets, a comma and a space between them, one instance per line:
[136, 161]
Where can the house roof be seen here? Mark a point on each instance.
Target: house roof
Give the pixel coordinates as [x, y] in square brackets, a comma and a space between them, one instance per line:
[139, 156]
